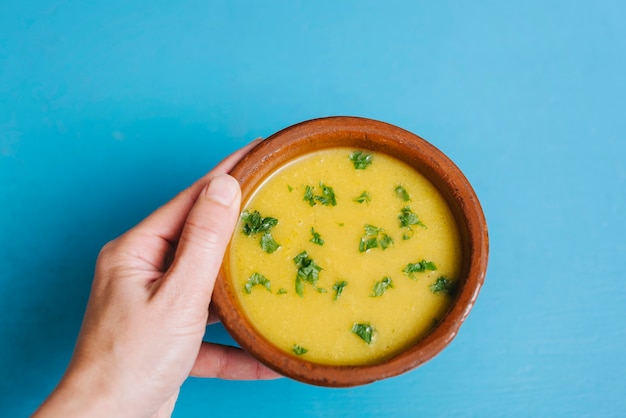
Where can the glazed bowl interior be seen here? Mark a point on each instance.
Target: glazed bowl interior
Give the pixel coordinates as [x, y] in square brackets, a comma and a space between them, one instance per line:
[364, 134]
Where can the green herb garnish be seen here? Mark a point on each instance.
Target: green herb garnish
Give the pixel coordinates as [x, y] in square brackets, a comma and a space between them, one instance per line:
[384, 241]
[381, 286]
[289, 188]
[360, 159]
[338, 288]
[363, 198]
[299, 350]
[365, 331]
[419, 267]
[374, 237]
[327, 198]
[268, 243]
[443, 285]
[308, 195]
[407, 218]
[402, 193]
[281, 291]
[367, 244]
[308, 271]
[317, 239]
[256, 279]
[255, 223]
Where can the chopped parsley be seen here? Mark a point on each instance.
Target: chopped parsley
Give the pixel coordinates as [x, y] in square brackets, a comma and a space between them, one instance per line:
[374, 237]
[419, 267]
[268, 243]
[364, 331]
[316, 239]
[402, 193]
[408, 218]
[299, 350]
[443, 285]
[385, 241]
[254, 223]
[289, 188]
[363, 198]
[257, 279]
[281, 291]
[327, 198]
[360, 159]
[308, 195]
[308, 272]
[338, 288]
[381, 286]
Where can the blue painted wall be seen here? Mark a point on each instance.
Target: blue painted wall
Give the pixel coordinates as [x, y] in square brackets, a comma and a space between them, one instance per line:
[108, 108]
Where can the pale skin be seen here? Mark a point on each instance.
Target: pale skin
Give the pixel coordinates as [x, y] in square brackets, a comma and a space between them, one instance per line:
[149, 305]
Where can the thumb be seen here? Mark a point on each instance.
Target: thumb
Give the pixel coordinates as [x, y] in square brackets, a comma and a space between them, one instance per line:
[204, 238]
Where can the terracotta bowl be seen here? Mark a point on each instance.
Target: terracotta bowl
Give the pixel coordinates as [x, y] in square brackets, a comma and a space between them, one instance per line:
[317, 134]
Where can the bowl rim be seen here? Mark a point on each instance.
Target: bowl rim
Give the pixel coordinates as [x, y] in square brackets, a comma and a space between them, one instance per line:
[374, 135]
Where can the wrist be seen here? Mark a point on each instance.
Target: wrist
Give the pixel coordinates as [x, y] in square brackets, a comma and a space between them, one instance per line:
[83, 394]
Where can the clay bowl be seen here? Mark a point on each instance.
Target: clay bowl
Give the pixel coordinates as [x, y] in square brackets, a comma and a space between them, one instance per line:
[367, 134]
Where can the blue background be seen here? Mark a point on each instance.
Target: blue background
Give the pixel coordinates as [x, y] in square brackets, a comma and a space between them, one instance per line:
[108, 108]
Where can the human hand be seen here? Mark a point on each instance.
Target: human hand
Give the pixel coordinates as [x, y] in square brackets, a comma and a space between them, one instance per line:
[142, 332]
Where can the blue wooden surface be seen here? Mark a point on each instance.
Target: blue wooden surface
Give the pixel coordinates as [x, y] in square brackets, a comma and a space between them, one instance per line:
[108, 108]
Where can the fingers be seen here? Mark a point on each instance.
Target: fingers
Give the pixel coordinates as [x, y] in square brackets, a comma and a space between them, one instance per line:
[167, 221]
[203, 240]
[230, 363]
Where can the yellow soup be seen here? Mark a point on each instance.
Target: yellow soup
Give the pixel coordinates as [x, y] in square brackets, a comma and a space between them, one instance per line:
[345, 257]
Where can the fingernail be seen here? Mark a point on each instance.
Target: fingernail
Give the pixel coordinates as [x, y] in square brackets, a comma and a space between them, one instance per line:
[223, 189]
